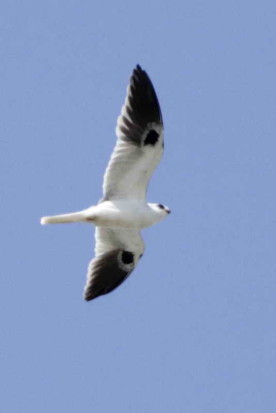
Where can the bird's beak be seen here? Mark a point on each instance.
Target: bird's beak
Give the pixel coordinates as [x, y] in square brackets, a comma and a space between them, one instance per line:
[168, 211]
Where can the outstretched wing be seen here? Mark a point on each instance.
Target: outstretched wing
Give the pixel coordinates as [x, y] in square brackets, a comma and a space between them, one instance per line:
[139, 145]
[117, 254]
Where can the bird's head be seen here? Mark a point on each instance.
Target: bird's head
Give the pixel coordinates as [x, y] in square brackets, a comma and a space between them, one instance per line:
[160, 210]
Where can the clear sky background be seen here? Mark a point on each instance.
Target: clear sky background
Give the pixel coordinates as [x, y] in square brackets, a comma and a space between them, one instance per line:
[194, 327]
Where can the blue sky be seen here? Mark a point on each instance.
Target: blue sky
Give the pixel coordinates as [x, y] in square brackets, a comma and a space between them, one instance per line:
[193, 329]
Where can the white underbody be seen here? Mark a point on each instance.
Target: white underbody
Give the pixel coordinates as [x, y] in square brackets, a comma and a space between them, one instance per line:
[124, 213]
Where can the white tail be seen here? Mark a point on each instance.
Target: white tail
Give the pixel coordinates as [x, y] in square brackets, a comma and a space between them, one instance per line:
[63, 219]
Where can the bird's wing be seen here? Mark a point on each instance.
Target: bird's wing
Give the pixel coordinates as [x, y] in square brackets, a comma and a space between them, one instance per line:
[139, 144]
[117, 253]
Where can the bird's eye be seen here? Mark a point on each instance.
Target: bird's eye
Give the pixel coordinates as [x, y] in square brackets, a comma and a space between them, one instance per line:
[161, 206]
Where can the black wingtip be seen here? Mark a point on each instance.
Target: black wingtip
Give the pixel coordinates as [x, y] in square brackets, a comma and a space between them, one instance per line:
[144, 102]
[92, 293]
[88, 298]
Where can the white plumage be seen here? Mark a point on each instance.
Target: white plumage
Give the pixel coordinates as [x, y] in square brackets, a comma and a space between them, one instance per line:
[123, 211]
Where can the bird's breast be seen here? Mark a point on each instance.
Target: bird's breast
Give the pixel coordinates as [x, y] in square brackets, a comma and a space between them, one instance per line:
[123, 213]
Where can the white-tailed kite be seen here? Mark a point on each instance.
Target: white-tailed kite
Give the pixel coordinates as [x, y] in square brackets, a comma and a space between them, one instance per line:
[123, 211]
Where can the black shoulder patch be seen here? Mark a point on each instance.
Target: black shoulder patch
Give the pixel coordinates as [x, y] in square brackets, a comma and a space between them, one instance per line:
[127, 257]
[151, 138]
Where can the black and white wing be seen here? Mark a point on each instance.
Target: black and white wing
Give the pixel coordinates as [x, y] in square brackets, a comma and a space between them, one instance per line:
[117, 253]
[139, 145]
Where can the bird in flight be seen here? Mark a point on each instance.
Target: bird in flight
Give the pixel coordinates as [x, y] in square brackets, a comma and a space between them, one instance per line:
[123, 211]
